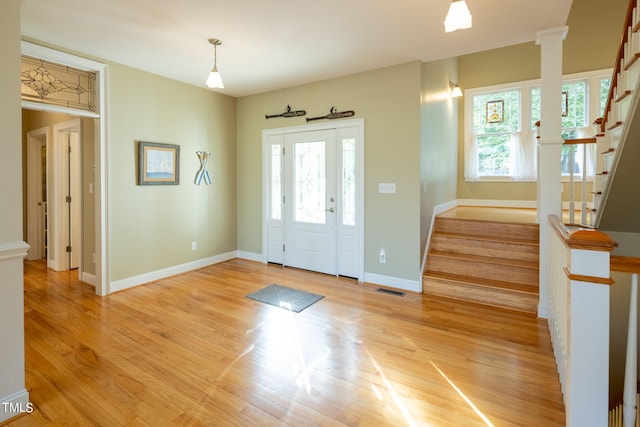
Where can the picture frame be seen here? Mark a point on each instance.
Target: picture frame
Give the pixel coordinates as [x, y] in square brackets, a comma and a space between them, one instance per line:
[158, 163]
[565, 103]
[495, 111]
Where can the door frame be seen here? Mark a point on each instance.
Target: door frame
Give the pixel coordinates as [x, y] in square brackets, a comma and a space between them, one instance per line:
[101, 278]
[59, 210]
[269, 135]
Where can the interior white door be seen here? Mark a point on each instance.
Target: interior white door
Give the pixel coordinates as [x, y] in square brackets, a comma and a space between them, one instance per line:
[74, 200]
[310, 200]
[36, 193]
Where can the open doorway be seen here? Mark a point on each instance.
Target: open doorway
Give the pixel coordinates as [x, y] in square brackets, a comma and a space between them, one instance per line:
[55, 167]
[91, 137]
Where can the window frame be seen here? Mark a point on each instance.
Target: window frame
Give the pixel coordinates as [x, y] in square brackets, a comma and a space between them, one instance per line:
[593, 107]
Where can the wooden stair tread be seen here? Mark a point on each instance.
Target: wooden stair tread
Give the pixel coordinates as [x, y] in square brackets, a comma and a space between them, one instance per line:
[482, 282]
[484, 259]
[496, 239]
[530, 310]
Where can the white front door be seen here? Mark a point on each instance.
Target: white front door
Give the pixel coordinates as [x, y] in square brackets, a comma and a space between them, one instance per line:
[313, 197]
[310, 196]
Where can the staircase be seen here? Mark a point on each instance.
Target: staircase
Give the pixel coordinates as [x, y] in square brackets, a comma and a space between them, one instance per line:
[487, 262]
[615, 191]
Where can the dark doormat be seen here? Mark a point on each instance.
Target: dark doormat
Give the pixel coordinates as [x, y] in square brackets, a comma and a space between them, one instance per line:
[285, 297]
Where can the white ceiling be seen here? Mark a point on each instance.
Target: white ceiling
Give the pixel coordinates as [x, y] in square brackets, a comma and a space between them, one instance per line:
[268, 45]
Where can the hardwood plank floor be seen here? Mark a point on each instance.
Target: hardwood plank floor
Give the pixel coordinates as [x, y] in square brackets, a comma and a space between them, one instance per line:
[192, 350]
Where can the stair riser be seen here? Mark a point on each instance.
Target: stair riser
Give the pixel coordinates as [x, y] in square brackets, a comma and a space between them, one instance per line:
[486, 248]
[507, 273]
[481, 295]
[488, 229]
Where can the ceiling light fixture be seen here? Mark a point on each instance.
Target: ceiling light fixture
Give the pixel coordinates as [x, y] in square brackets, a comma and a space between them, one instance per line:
[456, 92]
[214, 80]
[458, 17]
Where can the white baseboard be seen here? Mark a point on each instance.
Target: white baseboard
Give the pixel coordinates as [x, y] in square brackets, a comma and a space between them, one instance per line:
[393, 282]
[543, 312]
[15, 404]
[89, 278]
[529, 204]
[251, 256]
[437, 210]
[120, 285]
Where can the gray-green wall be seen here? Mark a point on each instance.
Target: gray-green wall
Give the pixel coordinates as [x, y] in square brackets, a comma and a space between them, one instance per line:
[438, 141]
[389, 101]
[152, 227]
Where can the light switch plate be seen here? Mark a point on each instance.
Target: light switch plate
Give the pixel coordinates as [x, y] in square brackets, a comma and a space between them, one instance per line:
[387, 187]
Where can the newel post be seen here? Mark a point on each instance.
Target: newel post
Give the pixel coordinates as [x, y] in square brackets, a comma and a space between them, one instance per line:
[589, 279]
[549, 149]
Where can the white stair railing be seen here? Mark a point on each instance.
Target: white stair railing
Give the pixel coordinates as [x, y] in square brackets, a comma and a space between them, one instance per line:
[579, 318]
[626, 414]
[573, 143]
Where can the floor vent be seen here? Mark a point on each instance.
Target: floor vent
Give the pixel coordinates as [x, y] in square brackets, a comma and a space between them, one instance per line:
[389, 291]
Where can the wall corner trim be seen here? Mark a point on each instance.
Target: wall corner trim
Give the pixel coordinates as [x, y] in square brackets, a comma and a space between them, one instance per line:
[13, 250]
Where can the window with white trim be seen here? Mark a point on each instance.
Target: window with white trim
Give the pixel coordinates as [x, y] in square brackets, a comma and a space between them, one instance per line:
[500, 130]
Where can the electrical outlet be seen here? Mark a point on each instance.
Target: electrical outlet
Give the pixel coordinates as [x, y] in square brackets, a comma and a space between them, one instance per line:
[194, 246]
[383, 256]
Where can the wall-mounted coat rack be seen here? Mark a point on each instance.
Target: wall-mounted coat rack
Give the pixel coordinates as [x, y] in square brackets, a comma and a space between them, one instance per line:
[287, 113]
[333, 114]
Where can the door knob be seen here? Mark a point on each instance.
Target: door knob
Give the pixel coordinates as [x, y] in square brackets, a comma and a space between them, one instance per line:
[330, 210]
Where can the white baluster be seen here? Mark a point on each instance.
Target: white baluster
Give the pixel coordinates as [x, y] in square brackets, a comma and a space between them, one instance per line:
[583, 213]
[571, 192]
[631, 368]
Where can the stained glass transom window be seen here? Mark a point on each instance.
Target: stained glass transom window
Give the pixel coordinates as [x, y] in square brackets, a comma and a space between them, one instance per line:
[54, 84]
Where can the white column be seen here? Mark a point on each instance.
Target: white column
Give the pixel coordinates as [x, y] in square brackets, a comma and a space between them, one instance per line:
[549, 149]
[13, 394]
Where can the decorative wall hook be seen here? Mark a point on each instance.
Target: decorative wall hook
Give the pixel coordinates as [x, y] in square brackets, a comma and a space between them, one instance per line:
[333, 114]
[202, 172]
[287, 113]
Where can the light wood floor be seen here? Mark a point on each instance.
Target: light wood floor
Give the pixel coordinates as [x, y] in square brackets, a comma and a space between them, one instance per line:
[192, 350]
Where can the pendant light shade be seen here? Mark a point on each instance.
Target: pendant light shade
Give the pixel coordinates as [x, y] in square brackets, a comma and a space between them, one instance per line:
[214, 80]
[458, 17]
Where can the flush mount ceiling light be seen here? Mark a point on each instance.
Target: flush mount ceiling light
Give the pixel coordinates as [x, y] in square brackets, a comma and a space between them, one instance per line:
[456, 92]
[458, 17]
[214, 80]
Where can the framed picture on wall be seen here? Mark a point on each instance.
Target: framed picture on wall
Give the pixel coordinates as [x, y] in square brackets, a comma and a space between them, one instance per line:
[158, 164]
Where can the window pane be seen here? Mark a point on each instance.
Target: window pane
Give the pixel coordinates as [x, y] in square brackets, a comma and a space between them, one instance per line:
[494, 153]
[349, 181]
[576, 106]
[310, 182]
[535, 106]
[507, 121]
[276, 186]
[605, 84]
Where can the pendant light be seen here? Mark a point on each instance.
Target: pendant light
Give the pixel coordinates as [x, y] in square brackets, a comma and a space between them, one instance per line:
[458, 18]
[214, 80]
